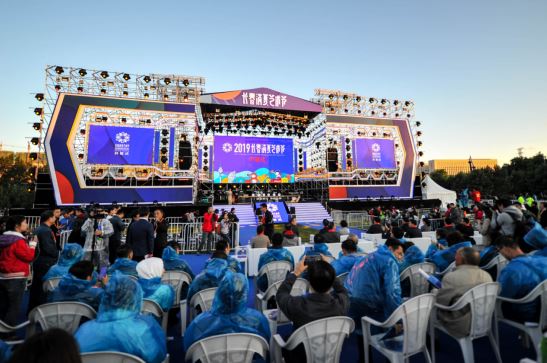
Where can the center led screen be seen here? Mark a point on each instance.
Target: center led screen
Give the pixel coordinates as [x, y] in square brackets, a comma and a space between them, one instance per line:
[240, 159]
[374, 154]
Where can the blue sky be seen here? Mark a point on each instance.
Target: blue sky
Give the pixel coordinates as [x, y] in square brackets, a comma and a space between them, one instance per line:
[477, 70]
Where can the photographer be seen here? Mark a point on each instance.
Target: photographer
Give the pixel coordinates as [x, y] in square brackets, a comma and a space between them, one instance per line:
[97, 229]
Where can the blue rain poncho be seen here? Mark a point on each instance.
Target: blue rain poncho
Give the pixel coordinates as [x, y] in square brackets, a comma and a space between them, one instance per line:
[432, 249]
[359, 250]
[488, 254]
[273, 254]
[344, 263]
[374, 285]
[210, 277]
[318, 248]
[154, 290]
[73, 289]
[233, 264]
[521, 275]
[5, 352]
[413, 255]
[119, 325]
[173, 262]
[125, 266]
[443, 258]
[228, 314]
[536, 237]
[71, 254]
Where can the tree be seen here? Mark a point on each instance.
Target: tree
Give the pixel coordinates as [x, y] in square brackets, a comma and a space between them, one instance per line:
[15, 181]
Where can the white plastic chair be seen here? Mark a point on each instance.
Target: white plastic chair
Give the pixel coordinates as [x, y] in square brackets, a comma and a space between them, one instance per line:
[275, 271]
[154, 309]
[228, 348]
[344, 237]
[450, 268]
[51, 284]
[343, 277]
[418, 284]
[499, 262]
[414, 315]
[110, 357]
[422, 243]
[202, 299]
[5, 328]
[65, 315]
[300, 287]
[481, 300]
[177, 279]
[533, 329]
[322, 340]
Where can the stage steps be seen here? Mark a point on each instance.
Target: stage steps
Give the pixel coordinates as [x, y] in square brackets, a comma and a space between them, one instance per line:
[244, 212]
[310, 212]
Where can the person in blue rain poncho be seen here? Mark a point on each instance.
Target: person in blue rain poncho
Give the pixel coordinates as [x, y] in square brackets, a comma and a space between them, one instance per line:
[78, 285]
[275, 253]
[413, 255]
[445, 256]
[373, 283]
[150, 271]
[319, 247]
[172, 261]
[228, 314]
[521, 275]
[435, 246]
[222, 251]
[71, 254]
[537, 238]
[349, 256]
[124, 262]
[120, 326]
[210, 277]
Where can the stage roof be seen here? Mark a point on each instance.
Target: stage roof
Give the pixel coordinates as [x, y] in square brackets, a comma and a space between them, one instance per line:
[260, 98]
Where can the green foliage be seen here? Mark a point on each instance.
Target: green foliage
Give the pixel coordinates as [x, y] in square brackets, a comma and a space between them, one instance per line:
[522, 175]
[14, 184]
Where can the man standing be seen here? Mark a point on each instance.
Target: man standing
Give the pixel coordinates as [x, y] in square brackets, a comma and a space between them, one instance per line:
[48, 255]
[207, 229]
[466, 276]
[267, 220]
[413, 231]
[76, 234]
[97, 230]
[116, 219]
[140, 236]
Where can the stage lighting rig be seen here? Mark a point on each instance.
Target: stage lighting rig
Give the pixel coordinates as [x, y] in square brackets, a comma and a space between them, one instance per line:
[146, 79]
[35, 141]
[39, 97]
[82, 72]
[126, 76]
[59, 70]
[38, 111]
[104, 74]
[37, 126]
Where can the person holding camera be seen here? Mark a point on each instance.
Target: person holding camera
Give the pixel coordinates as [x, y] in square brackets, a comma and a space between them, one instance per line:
[97, 229]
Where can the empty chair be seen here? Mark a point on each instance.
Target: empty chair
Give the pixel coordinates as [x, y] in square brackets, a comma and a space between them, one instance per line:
[344, 237]
[322, 340]
[177, 279]
[414, 315]
[481, 300]
[110, 357]
[51, 284]
[275, 271]
[8, 329]
[153, 308]
[418, 284]
[499, 262]
[63, 315]
[202, 299]
[533, 329]
[228, 348]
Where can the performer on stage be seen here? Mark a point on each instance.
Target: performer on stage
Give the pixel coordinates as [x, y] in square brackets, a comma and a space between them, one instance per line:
[267, 220]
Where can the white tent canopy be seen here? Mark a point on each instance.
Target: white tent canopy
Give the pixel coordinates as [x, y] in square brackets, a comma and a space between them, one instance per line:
[433, 190]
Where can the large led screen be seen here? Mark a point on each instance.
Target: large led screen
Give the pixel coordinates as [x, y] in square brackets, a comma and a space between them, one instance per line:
[374, 154]
[120, 145]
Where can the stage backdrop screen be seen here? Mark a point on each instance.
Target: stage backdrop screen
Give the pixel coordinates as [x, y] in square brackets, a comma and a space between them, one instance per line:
[120, 145]
[374, 154]
[239, 159]
[279, 211]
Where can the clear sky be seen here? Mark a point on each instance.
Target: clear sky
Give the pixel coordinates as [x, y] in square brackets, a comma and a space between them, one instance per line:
[476, 69]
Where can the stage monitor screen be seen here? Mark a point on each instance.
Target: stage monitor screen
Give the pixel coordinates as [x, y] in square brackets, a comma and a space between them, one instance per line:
[240, 159]
[120, 145]
[374, 154]
[279, 211]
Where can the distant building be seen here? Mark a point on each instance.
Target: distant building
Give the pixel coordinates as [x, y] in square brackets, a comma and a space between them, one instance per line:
[455, 166]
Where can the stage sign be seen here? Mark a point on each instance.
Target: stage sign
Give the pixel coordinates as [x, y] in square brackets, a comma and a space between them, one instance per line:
[279, 211]
[120, 145]
[374, 154]
[239, 159]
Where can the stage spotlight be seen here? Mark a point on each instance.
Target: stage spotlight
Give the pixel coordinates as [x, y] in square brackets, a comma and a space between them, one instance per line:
[420, 143]
[396, 102]
[186, 83]
[419, 133]
[146, 95]
[80, 156]
[348, 148]
[167, 80]
[384, 114]
[422, 164]
[383, 101]
[164, 159]
[125, 93]
[146, 79]
[33, 156]
[82, 72]
[300, 169]
[424, 185]
[185, 97]
[331, 96]
[37, 126]
[345, 97]
[396, 145]
[346, 110]
[166, 96]
[371, 100]
[80, 89]
[373, 113]
[82, 132]
[349, 163]
[164, 150]
[418, 123]
[104, 74]
[373, 134]
[300, 162]
[103, 91]
[39, 96]
[164, 141]
[35, 141]
[165, 132]
[397, 115]
[205, 168]
[59, 70]
[57, 87]
[205, 161]
[421, 153]
[408, 115]
[38, 111]
[126, 76]
[358, 98]
[408, 103]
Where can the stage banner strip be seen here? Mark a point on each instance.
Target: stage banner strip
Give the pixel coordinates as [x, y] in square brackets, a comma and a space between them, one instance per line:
[157, 143]
[171, 147]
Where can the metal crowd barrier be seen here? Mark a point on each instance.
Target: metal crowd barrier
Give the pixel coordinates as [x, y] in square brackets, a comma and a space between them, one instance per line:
[189, 236]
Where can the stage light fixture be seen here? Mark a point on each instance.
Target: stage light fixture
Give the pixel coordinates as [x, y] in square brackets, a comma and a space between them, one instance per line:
[205, 168]
[167, 80]
[424, 185]
[103, 91]
[383, 101]
[371, 100]
[373, 112]
[82, 72]
[165, 132]
[408, 103]
[384, 114]
[125, 93]
[126, 76]
[164, 159]
[38, 111]
[396, 102]
[82, 132]
[33, 156]
[418, 123]
[37, 126]
[420, 143]
[35, 141]
[164, 150]
[397, 115]
[422, 164]
[408, 115]
[185, 97]
[348, 163]
[419, 133]
[421, 153]
[80, 89]
[348, 148]
[166, 96]
[146, 79]
[104, 74]
[59, 70]
[164, 141]
[331, 96]
[57, 87]
[358, 98]
[39, 96]
[186, 83]
[205, 161]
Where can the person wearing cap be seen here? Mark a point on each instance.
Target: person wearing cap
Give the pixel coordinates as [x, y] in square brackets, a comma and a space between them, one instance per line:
[150, 271]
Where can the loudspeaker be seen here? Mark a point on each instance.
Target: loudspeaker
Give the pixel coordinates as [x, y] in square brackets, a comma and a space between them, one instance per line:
[185, 155]
[332, 159]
